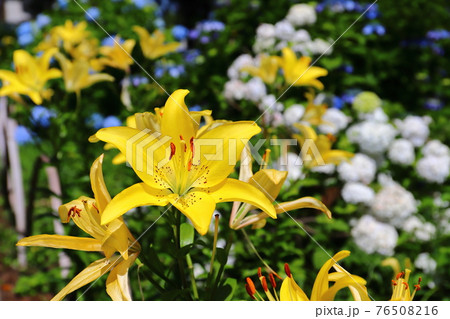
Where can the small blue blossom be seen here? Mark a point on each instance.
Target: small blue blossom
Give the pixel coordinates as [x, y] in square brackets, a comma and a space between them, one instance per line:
[92, 14]
[40, 116]
[337, 103]
[433, 104]
[180, 32]
[24, 28]
[368, 29]
[437, 35]
[194, 34]
[23, 135]
[25, 39]
[204, 39]
[373, 12]
[176, 71]
[195, 108]
[139, 80]
[437, 49]
[380, 30]
[142, 3]
[159, 23]
[95, 120]
[348, 68]
[159, 72]
[211, 26]
[111, 120]
[191, 55]
[42, 20]
[63, 4]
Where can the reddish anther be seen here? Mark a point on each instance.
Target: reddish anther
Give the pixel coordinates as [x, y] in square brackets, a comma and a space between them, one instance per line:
[249, 291]
[172, 150]
[287, 270]
[264, 283]
[74, 210]
[400, 275]
[406, 285]
[251, 286]
[394, 283]
[191, 143]
[272, 280]
[259, 272]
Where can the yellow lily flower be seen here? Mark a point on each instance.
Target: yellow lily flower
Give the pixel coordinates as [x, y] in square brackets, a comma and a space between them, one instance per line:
[313, 113]
[267, 69]
[76, 74]
[87, 50]
[152, 122]
[321, 291]
[298, 72]
[319, 152]
[269, 182]
[118, 56]
[153, 46]
[185, 168]
[400, 286]
[113, 237]
[30, 77]
[71, 34]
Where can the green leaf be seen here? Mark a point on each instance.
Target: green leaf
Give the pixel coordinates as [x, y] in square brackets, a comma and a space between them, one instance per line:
[186, 234]
[221, 256]
[226, 290]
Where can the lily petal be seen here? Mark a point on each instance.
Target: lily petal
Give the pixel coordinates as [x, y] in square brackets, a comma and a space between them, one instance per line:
[59, 241]
[235, 190]
[304, 202]
[290, 291]
[101, 194]
[117, 283]
[134, 196]
[88, 275]
[347, 281]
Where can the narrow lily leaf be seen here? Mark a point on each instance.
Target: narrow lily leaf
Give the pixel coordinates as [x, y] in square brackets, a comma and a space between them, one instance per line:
[88, 275]
[59, 241]
[186, 234]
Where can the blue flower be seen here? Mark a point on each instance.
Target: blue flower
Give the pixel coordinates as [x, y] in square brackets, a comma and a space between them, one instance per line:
[194, 34]
[92, 14]
[368, 29]
[380, 30]
[204, 39]
[23, 135]
[176, 71]
[191, 55]
[433, 104]
[159, 72]
[24, 28]
[40, 116]
[212, 26]
[95, 120]
[195, 108]
[348, 68]
[111, 120]
[142, 3]
[338, 103]
[25, 39]
[373, 12]
[437, 35]
[63, 4]
[159, 23]
[110, 41]
[180, 32]
[42, 20]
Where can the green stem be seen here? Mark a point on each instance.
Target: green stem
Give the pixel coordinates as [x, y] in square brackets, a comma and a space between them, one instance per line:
[216, 235]
[256, 252]
[222, 266]
[177, 234]
[191, 274]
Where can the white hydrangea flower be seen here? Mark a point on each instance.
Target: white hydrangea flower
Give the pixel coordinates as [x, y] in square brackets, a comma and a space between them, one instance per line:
[235, 90]
[301, 36]
[319, 46]
[256, 89]
[301, 14]
[269, 103]
[434, 169]
[265, 31]
[334, 121]
[402, 152]
[360, 168]
[373, 236]
[293, 164]
[284, 30]
[414, 128]
[263, 45]
[435, 148]
[376, 115]
[426, 263]
[420, 230]
[372, 137]
[444, 222]
[394, 204]
[357, 193]
[324, 169]
[234, 71]
[293, 114]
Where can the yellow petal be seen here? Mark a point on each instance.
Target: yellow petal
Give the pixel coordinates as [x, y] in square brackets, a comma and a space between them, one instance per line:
[336, 156]
[321, 282]
[235, 190]
[218, 150]
[245, 170]
[116, 239]
[101, 194]
[198, 207]
[117, 282]
[290, 291]
[304, 202]
[88, 275]
[269, 181]
[347, 281]
[131, 197]
[59, 241]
